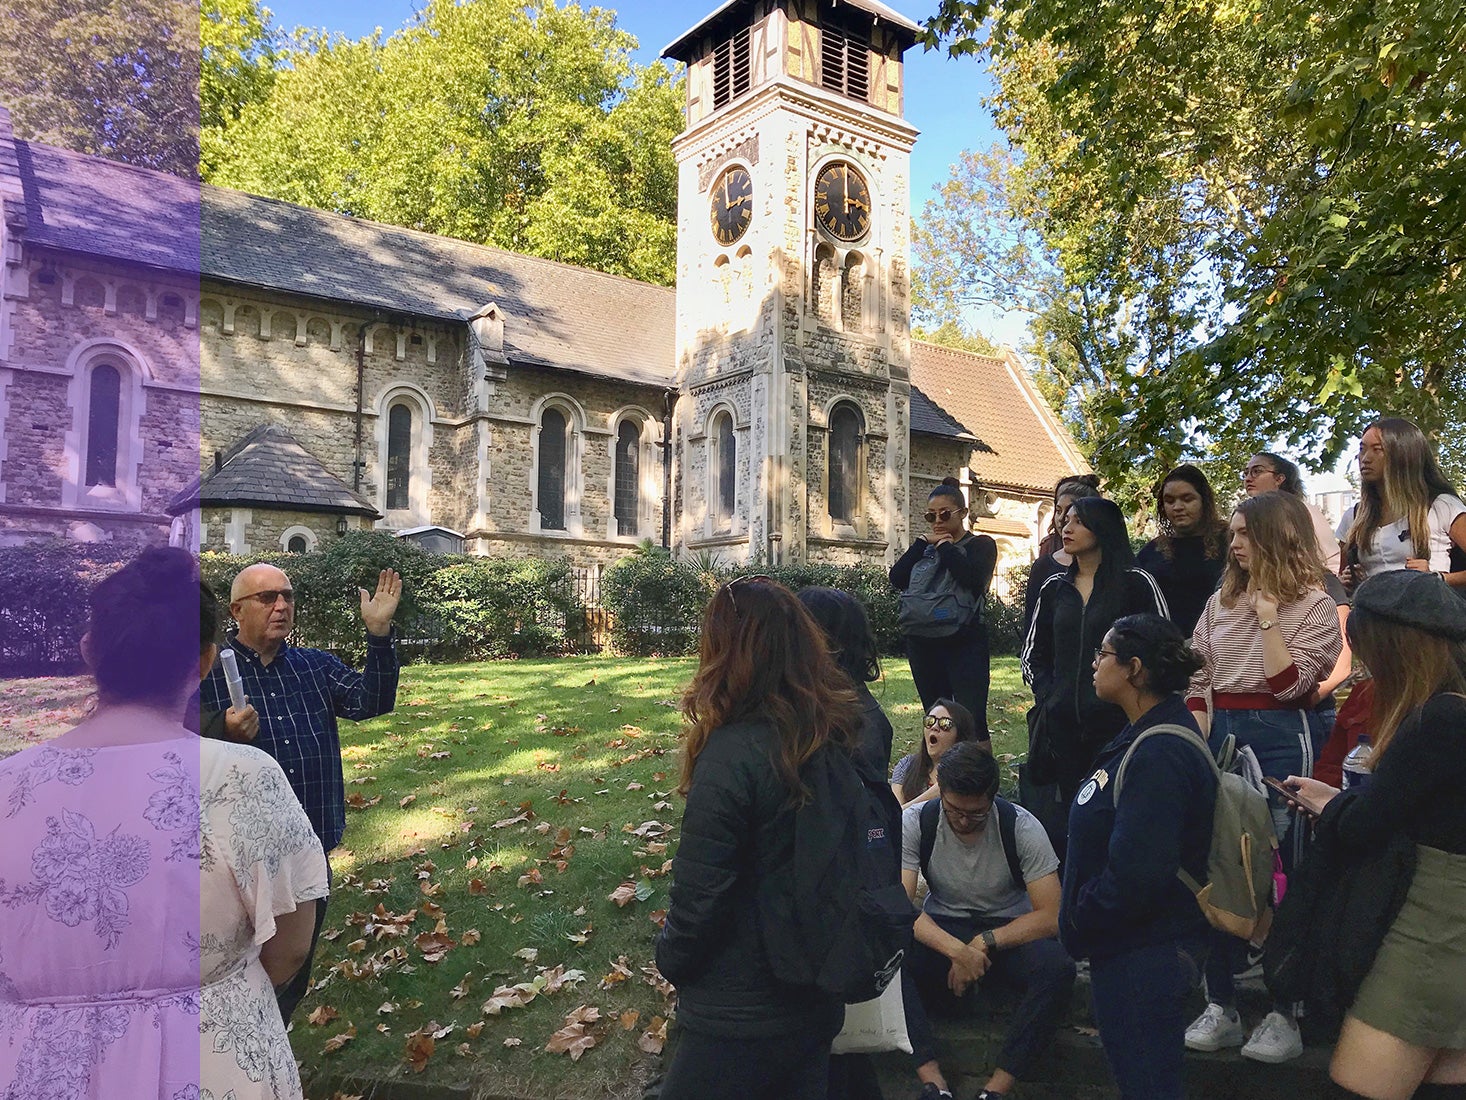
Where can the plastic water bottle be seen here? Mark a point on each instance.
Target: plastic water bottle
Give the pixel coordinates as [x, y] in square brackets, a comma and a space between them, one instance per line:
[1356, 764]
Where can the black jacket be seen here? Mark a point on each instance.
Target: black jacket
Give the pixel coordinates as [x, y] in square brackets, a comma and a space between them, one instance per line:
[737, 829]
[876, 735]
[1058, 657]
[1120, 886]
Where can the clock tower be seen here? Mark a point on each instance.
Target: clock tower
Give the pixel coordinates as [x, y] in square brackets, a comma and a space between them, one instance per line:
[792, 430]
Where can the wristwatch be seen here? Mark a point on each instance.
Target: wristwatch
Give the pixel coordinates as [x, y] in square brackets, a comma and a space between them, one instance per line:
[989, 940]
[1264, 624]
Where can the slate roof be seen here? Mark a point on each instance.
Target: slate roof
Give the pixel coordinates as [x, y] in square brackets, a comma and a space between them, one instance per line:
[679, 47]
[269, 469]
[555, 315]
[1023, 444]
[929, 418]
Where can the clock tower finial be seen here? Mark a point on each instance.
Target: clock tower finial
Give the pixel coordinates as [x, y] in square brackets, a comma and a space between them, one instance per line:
[793, 294]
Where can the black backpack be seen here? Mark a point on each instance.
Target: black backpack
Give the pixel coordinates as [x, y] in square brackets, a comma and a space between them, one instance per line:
[840, 920]
[1007, 832]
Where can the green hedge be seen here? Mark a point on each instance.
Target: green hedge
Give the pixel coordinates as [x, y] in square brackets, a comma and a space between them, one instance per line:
[656, 602]
[45, 591]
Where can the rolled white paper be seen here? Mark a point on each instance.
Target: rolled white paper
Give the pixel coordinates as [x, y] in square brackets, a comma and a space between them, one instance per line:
[232, 678]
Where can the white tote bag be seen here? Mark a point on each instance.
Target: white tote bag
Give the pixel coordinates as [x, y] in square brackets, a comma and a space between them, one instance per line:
[872, 1027]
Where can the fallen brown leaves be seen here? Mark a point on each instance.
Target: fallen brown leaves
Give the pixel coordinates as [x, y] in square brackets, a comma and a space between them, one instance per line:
[577, 1036]
[336, 1042]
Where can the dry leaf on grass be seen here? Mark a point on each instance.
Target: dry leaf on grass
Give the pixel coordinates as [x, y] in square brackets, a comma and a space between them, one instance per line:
[654, 1038]
[628, 1019]
[577, 1036]
[419, 1049]
[470, 937]
[512, 1042]
[322, 1016]
[408, 801]
[623, 895]
[528, 954]
[336, 1042]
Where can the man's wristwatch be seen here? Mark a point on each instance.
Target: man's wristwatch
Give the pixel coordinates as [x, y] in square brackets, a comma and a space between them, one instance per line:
[989, 940]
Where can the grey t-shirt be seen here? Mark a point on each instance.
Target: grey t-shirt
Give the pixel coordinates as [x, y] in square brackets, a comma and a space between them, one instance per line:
[974, 878]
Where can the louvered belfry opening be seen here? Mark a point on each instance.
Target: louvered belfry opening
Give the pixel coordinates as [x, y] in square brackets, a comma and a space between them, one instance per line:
[845, 54]
[732, 67]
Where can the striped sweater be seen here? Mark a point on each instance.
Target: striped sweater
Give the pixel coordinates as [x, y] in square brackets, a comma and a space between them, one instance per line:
[1229, 640]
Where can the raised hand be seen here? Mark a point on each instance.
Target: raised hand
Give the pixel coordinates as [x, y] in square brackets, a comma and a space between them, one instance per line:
[378, 608]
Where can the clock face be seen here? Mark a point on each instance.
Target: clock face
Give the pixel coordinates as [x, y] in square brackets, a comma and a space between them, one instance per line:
[842, 201]
[732, 204]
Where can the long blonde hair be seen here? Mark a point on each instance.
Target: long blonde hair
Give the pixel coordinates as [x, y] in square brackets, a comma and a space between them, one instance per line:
[1285, 561]
[1409, 665]
[1412, 481]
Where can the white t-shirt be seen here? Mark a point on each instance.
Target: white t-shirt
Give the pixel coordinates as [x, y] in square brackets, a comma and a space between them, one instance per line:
[974, 878]
[1392, 543]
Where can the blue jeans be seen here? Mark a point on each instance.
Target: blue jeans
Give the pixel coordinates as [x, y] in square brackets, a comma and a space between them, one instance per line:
[1285, 742]
[1140, 1007]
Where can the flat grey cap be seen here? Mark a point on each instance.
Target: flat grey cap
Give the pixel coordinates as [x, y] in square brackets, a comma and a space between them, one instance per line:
[1421, 600]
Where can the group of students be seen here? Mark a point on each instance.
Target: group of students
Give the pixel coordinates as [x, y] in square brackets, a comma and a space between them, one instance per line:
[1231, 633]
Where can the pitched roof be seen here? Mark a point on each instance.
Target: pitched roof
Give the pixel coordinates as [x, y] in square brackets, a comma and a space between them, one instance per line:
[555, 314]
[929, 418]
[269, 469]
[1024, 445]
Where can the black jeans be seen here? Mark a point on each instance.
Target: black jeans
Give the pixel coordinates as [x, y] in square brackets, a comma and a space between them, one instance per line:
[956, 667]
[289, 995]
[780, 1067]
[1041, 969]
[1140, 1005]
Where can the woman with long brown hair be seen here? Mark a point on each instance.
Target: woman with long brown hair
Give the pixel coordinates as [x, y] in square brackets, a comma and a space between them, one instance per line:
[1408, 515]
[1188, 555]
[767, 697]
[1405, 1034]
[1268, 636]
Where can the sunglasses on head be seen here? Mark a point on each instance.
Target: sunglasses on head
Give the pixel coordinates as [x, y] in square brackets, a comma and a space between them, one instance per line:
[944, 723]
[943, 514]
[755, 578]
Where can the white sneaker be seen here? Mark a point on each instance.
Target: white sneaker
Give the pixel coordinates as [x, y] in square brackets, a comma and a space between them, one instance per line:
[1276, 1039]
[1215, 1028]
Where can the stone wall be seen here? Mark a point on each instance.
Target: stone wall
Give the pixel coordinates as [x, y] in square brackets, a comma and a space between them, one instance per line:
[259, 531]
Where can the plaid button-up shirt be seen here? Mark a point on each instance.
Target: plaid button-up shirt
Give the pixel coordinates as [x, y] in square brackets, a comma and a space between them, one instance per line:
[299, 696]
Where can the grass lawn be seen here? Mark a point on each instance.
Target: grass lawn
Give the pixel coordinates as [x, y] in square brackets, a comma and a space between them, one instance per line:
[499, 808]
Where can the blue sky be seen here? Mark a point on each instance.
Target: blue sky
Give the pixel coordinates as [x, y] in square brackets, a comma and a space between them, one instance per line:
[943, 97]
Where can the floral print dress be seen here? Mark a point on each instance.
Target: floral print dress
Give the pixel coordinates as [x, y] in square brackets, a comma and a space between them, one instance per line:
[137, 883]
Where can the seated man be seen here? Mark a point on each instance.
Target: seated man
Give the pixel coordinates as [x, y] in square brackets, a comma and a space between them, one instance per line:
[992, 909]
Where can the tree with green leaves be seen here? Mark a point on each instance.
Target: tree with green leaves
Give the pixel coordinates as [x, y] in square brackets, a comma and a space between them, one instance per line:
[1252, 213]
[239, 49]
[107, 77]
[522, 125]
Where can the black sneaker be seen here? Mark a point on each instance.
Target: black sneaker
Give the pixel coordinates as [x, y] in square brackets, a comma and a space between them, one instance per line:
[988, 1094]
[1252, 969]
[930, 1091]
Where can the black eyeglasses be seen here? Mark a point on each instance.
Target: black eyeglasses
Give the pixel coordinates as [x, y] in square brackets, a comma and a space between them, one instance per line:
[1101, 653]
[753, 578]
[967, 815]
[943, 514]
[944, 724]
[1257, 471]
[269, 596]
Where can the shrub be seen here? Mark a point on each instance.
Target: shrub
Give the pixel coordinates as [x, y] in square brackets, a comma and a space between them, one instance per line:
[45, 602]
[496, 607]
[655, 602]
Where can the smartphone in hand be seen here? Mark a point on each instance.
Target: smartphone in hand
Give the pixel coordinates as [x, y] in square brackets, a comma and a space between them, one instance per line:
[1292, 795]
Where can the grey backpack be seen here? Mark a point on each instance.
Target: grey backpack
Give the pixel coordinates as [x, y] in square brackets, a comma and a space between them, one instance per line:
[1239, 886]
[934, 605]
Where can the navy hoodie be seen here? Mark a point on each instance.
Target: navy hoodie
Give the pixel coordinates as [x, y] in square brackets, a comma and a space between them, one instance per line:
[1120, 886]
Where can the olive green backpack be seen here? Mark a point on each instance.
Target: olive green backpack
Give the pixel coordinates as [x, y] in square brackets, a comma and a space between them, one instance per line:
[1239, 886]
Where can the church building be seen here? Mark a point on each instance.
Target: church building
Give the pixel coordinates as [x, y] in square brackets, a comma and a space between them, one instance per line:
[341, 374]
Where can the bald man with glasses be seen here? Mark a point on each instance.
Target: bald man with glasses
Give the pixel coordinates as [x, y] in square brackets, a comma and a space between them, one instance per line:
[295, 697]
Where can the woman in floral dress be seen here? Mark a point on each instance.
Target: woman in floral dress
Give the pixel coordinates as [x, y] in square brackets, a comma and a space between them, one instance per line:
[150, 881]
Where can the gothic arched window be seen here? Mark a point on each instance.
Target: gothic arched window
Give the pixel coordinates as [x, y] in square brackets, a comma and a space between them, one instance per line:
[628, 477]
[399, 456]
[104, 408]
[845, 463]
[551, 487]
[725, 472]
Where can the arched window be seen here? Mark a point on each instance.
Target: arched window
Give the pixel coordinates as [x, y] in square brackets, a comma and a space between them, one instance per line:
[399, 456]
[103, 413]
[844, 472]
[552, 470]
[628, 477]
[725, 472]
[296, 545]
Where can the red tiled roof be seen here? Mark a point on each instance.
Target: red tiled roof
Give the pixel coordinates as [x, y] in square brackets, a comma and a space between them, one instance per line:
[1023, 444]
